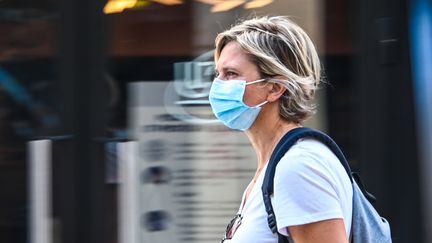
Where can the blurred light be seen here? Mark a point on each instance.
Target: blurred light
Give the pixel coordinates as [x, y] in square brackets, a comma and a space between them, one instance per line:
[226, 5]
[211, 2]
[15, 89]
[117, 6]
[257, 4]
[169, 2]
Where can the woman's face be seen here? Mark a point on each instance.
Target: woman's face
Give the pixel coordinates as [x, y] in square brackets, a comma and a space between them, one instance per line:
[234, 64]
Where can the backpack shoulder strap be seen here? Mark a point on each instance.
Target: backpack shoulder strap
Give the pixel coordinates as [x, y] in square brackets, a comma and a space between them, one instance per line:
[286, 142]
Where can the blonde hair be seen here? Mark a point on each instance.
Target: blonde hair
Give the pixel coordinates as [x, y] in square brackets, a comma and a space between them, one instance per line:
[280, 48]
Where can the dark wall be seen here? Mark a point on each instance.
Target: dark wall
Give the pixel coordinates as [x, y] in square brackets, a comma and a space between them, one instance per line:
[370, 104]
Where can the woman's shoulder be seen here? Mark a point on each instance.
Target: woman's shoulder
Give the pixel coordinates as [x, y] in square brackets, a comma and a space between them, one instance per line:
[309, 150]
[310, 156]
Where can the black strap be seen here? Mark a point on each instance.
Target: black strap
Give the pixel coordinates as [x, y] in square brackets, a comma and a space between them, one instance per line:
[286, 142]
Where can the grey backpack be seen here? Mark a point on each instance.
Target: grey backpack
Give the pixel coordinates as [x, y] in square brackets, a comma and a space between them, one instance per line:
[367, 225]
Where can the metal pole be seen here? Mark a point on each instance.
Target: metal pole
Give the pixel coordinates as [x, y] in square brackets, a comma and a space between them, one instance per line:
[40, 222]
[128, 193]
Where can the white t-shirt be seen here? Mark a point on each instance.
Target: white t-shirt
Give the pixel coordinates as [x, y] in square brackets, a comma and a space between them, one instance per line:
[310, 185]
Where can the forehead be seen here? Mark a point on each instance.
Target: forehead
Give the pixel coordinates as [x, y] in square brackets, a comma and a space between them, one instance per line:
[233, 56]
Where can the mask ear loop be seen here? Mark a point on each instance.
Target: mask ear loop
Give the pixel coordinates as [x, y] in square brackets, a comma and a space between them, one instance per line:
[256, 81]
[261, 104]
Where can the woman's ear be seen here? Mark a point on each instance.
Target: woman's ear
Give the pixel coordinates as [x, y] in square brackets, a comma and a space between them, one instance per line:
[276, 91]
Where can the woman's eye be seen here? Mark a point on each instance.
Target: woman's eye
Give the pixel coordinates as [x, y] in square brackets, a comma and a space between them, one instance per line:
[231, 74]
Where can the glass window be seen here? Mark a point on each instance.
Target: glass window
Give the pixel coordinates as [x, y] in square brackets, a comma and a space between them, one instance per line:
[28, 76]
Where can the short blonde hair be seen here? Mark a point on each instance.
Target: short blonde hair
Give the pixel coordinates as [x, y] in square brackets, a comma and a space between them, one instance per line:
[279, 47]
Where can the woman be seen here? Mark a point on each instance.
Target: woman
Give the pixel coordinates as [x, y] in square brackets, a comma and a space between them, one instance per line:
[267, 73]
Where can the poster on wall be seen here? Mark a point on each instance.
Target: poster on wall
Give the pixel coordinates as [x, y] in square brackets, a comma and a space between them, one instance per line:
[192, 170]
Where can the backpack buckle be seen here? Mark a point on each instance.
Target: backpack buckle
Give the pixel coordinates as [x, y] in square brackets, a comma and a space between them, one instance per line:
[271, 219]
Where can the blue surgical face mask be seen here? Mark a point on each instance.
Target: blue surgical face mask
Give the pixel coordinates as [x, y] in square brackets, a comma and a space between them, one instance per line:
[226, 100]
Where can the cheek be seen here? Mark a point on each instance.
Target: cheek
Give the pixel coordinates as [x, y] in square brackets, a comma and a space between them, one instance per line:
[254, 96]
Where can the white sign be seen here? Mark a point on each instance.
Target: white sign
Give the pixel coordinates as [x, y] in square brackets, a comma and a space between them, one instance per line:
[192, 169]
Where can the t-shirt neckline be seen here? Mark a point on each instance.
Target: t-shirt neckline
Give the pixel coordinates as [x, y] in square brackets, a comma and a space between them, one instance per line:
[245, 203]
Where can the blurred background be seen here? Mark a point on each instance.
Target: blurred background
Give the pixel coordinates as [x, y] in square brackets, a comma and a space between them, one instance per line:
[106, 134]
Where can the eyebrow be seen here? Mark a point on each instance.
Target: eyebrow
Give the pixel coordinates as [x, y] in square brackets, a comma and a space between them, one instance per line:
[227, 68]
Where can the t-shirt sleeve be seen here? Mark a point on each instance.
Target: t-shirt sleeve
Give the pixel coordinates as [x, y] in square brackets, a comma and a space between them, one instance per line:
[305, 190]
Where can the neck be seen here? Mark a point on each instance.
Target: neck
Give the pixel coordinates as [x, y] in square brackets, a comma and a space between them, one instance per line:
[264, 136]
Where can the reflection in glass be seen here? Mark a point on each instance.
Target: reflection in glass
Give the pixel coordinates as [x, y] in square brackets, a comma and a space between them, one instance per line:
[27, 106]
[156, 175]
[156, 221]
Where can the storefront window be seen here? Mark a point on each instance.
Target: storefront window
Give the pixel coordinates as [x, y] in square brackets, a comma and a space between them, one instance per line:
[106, 133]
